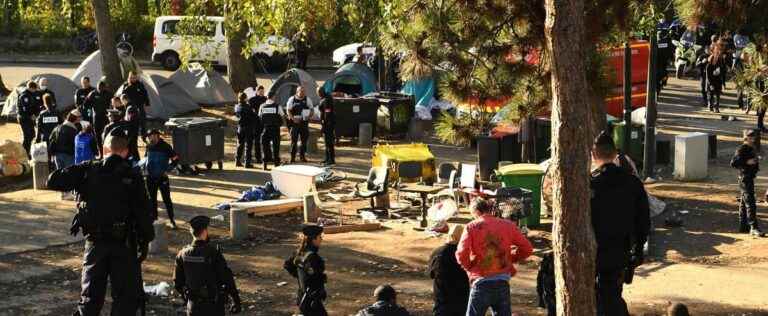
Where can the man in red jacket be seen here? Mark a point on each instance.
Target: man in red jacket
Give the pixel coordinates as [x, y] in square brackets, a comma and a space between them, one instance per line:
[488, 250]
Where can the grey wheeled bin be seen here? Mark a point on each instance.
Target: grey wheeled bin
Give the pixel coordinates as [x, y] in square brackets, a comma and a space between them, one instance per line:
[198, 140]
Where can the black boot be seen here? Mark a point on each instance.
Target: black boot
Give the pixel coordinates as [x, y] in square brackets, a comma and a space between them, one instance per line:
[238, 163]
[743, 228]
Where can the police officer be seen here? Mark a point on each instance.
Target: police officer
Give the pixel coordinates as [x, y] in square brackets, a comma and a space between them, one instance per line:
[308, 268]
[159, 153]
[95, 107]
[47, 121]
[30, 105]
[44, 90]
[256, 101]
[745, 159]
[245, 130]
[202, 276]
[139, 97]
[82, 93]
[328, 119]
[301, 49]
[115, 122]
[299, 109]
[271, 115]
[113, 214]
[621, 221]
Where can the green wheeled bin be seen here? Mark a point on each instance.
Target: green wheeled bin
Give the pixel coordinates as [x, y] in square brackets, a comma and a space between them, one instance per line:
[636, 147]
[526, 176]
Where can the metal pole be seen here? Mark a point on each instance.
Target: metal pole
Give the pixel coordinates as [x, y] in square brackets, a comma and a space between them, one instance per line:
[627, 97]
[649, 157]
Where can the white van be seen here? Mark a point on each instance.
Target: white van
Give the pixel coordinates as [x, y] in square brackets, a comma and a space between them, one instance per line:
[167, 45]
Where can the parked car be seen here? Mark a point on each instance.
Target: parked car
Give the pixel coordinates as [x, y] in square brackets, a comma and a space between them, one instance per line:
[167, 44]
[346, 53]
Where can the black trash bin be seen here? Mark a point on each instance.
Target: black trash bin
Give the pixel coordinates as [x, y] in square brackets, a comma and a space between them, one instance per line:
[351, 112]
[395, 111]
[198, 140]
[487, 155]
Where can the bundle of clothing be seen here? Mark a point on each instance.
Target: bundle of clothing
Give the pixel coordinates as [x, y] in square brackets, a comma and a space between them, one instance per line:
[257, 193]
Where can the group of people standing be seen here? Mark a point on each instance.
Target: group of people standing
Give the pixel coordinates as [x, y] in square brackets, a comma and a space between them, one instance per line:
[260, 118]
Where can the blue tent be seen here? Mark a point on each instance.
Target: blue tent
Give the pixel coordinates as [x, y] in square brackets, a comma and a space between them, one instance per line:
[352, 78]
[423, 90]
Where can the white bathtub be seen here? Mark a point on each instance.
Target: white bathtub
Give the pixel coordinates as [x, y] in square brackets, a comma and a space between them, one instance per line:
[293, 181]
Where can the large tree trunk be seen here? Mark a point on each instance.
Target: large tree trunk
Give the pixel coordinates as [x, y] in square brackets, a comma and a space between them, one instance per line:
[239, 69]
[573, 243]
[110, 64]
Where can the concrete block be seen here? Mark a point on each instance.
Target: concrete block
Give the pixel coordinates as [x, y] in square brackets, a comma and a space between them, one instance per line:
[691, 152]
[311, 210]
[365, 136]
[312, 141]
[238, 224]
[159, 245]
[40, 172]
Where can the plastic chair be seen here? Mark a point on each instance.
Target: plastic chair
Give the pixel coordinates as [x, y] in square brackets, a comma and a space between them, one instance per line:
[407, 170]
[444, 171]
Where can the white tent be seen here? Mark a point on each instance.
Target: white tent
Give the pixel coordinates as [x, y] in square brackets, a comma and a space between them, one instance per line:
[62, 87]
[175, 100]
[91, 68]
[205, 87]
[156, 108]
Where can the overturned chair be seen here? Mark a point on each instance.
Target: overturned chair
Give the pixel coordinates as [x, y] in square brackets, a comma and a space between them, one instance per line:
[377, 185]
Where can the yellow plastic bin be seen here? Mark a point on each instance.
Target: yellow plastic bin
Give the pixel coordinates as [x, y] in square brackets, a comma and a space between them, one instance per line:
[391, 156]
[526, 176]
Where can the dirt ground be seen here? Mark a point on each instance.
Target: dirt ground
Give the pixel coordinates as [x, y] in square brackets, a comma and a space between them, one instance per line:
[704, 263]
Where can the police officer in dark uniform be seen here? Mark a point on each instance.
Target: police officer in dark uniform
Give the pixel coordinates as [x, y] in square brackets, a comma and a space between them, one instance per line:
[139, 97]
[95, 107]
[46, 121]
[299, 109]
[308, 268]
[43, 83]
[256, 101]
[82, 93]
[113, 214]
[621, 221]
[328, 119]
[745, 159]
[115, 122]
[271, 115]
[30, 105]
[202, 276]
[246, 124]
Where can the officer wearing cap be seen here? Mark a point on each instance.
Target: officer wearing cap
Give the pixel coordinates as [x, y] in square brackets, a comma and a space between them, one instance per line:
[113, 214]
[271, 115]
[746, 160]
[30, 104]
[308, 268]
[202, 276]
[621, 222]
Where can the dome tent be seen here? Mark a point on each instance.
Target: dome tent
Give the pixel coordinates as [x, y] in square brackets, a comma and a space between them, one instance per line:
[174, 99]
[285, 86]
[62, 87]
[91, 68]
[352, 78]
[205, 87]
[156, 107]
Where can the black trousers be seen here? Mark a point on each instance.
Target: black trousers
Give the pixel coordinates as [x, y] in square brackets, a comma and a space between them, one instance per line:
[703, 83]
[329, 136]
[104, 259]
[301, 59]
[608, 288]
[133, 148]
[714, 97]
[315, 308]
[761, 118]
[257, 142]
[747, 206]
[271, 137]
[299, 132]
[164, 185]
[27, 134]
[245, 143]
[205, 308]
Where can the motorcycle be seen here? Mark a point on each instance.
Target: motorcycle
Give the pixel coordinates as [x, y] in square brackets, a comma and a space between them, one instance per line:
[686, 52]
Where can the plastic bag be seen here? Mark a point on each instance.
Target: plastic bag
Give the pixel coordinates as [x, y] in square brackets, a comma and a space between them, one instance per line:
[39, 152]
[160, 289]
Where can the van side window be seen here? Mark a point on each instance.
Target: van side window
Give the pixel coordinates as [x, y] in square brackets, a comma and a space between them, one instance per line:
[169, 27]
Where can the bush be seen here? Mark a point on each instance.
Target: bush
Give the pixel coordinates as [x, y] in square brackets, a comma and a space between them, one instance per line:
[40, 20]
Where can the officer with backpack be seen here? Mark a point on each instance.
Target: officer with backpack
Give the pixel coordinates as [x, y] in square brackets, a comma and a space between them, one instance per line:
[202, 276]
[271, 115]
[113, 215]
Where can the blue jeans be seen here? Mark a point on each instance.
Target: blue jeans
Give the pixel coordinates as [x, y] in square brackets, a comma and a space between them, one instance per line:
[63, 160]
[489, 294]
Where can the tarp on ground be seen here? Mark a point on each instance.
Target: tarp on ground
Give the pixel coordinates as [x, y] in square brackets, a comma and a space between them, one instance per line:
[285, 86]
[156, 107]
[62, 87]
[352, 78]
[175, 100]
[91, 68]
[205, 87]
